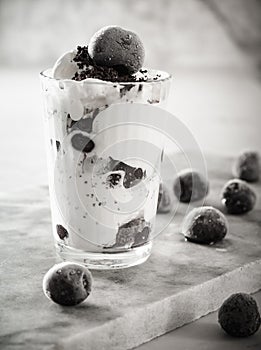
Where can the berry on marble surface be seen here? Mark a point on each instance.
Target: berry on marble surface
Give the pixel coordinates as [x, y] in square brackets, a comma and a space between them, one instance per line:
[190, 186]
[238, 197]
[205, 225]
[247, 166]
[67, 283]
[239, 315]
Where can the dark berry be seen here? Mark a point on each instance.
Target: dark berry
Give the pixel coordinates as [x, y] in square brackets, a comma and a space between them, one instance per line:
[238, 197]
[247, 166]
[205, 225]
[113, 179]
[67, 284]
[82, 143]
[190, 186]
[114, 46]
[61, 232]
[239, 315]
[132, 175]
[138, 173]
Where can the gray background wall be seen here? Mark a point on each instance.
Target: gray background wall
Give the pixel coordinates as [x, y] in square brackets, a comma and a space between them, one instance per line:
[175, 32]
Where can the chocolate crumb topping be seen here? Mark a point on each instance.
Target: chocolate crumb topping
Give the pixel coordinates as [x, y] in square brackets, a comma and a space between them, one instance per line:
[90, 70]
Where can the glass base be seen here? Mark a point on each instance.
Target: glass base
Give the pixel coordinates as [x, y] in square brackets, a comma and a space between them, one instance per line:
[105, 261]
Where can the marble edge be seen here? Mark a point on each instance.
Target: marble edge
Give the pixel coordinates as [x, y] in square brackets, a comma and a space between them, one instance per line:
[156, 319]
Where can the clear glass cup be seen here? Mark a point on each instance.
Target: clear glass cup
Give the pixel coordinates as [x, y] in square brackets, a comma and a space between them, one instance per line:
[104, 169]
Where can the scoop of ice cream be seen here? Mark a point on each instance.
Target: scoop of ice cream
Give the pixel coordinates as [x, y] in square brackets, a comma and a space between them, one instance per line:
[238, 197]
[164, 200]
[239, 315]
[114, 46]
[190, 186]
[247, 166]
[65, 67]
[205, 225]
[67, 283]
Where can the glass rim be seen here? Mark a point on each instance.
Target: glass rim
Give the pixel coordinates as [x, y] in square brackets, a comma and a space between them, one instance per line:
[167, 77]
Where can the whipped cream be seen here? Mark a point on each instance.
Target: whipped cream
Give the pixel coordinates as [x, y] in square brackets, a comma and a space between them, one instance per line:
[65, 67]
[103, 192]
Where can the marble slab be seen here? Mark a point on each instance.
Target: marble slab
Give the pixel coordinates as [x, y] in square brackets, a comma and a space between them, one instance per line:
[179, 283]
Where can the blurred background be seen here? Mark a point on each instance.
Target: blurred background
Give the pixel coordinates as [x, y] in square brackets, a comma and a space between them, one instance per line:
[211, 47]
